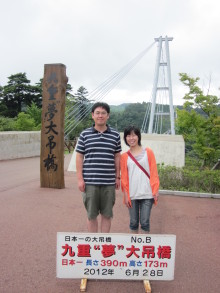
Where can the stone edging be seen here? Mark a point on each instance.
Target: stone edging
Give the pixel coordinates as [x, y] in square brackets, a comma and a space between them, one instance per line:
[189, 193]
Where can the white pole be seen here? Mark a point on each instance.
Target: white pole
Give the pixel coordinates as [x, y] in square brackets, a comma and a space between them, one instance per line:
[170, 87]
[154, 94]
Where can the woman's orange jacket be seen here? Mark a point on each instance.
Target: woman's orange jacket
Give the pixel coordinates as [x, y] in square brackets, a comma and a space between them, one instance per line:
[154, 178]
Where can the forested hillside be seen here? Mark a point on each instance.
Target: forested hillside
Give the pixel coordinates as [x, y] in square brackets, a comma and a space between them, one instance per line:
[126, 114]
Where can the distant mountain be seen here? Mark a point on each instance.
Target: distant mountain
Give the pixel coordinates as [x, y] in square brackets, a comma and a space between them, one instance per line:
[119, 108]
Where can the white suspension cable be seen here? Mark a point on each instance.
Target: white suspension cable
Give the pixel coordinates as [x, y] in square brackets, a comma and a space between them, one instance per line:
[111, 82]
[105, 87]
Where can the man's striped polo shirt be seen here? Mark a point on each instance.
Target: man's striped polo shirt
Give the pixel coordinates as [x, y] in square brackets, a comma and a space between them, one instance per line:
[99, 150]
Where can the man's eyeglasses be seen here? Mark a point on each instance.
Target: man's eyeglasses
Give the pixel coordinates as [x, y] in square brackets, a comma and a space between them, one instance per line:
[100, 113]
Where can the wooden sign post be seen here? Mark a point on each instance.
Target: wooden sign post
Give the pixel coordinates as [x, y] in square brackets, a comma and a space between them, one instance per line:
[52, 130]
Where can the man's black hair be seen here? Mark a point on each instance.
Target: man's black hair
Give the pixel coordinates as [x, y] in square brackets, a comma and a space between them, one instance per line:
[102, 105]
[134, 129]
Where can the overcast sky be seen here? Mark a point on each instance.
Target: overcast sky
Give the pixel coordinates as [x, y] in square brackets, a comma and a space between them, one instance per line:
[96, 38]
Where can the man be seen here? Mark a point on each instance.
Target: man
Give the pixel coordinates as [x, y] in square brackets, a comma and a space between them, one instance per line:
[98, 168]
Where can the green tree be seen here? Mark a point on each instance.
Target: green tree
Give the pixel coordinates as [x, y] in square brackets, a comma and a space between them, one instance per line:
[82, 103]
[18, 94]
[3, 109]
[25, 122]
[35, 113]
[69, 90]
[77, 116]
[201, 131]
[70, 99]
[38, 90]
[81, 95]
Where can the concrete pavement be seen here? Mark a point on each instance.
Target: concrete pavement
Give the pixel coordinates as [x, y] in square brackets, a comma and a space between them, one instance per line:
[31, 216]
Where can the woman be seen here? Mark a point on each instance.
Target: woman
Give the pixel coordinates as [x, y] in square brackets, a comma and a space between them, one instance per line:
[139, 180]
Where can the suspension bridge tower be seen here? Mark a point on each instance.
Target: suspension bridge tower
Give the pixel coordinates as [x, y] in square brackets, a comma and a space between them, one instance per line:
[162, 88]
[168, 149]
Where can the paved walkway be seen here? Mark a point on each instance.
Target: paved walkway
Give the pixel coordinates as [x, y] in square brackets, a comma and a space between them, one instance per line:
[31, 216]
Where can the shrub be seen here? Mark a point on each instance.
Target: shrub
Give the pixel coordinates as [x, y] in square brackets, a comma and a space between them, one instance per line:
[25, 122]
[34, 112]
[7, 124]
[183, 179]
